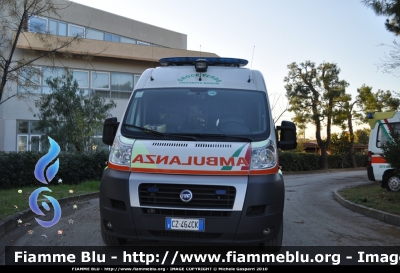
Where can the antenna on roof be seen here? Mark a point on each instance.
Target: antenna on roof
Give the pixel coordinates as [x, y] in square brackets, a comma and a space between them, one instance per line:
[151, 75]
[251, 65]
[200, 51]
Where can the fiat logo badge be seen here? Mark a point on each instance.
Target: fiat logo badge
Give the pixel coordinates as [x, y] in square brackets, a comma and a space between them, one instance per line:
[186, 196]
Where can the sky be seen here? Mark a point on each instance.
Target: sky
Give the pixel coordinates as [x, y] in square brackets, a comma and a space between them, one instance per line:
[271, 34]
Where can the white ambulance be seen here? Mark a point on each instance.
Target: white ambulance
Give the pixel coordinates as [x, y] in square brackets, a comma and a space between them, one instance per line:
[382, 123]
[195, 158]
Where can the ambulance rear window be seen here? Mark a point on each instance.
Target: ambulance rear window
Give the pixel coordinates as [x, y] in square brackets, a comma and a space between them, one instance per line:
[384, 130]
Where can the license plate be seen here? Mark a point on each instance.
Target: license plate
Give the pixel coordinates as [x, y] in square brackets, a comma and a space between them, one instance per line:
[184, 224]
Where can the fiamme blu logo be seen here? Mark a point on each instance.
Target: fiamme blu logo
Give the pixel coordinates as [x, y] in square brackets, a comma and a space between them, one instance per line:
[45, 176]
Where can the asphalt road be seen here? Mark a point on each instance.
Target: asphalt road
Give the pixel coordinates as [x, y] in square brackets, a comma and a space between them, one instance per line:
[312, 217]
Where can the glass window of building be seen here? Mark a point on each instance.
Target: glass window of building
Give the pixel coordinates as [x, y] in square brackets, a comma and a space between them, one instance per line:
[128, 40]
[143, 43]
[38, 24]
[112, 37]
[82, 77]
[100, 82]
[50, 73]
[22, 143]
[108, 37]
[22, 127]
[116, 38]
[30, 79]
[28, 137]
[57, 28]
[121, 85]
[94, 34]
[121, 82]
[33, 127]
[76, 31]
[136, 79]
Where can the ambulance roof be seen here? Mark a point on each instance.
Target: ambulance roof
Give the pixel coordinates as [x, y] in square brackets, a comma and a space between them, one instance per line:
[374, 117]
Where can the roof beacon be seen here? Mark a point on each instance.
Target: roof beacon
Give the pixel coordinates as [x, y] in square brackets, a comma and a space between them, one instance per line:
[201, 65]
[210, 61]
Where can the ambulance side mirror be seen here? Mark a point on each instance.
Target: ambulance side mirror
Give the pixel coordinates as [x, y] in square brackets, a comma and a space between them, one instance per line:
[287, 139]
[110, 127]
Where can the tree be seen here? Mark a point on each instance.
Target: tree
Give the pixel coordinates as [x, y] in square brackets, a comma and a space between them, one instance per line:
[343, 117]
[391, 151]
[362, 135]
[380, 101]
[391, 63]
[340, 145]
[313, 93]
[14, 24]
[300, 145]
[390, 8]
[69, 116]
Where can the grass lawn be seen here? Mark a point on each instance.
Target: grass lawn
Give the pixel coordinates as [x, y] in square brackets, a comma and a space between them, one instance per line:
[373, 196]
[16, 200]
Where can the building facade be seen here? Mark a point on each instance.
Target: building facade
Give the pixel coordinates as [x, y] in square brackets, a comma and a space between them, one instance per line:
[121, 49]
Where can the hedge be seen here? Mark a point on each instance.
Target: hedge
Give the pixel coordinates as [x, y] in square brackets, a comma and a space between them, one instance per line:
[17, 168]
[308, 162]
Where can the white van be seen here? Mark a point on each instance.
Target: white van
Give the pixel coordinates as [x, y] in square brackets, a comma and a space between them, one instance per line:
[378, 169]
[195, 158]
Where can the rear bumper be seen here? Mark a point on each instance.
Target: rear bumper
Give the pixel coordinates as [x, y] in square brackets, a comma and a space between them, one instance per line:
[370, 172]
[262, 210]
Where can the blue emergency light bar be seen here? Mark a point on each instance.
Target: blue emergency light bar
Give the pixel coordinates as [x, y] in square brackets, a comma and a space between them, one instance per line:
[211, 61]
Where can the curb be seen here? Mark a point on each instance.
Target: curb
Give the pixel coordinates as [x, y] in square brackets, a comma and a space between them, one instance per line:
[389, 218]
[27, 215]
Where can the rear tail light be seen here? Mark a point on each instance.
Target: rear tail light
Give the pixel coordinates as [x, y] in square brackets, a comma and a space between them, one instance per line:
[370, 158]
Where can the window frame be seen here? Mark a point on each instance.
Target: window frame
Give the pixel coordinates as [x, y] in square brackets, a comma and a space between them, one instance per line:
[88, 78]
[27, 136]
[39, 85]
[88, 30]
[142, 43]
[40, 17]
[381, 132]
[77, 26]
[89, 88]
[102, 72]
[58, 27]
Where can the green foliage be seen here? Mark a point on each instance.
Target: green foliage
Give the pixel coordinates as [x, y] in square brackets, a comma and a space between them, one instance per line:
[291, 161]
[69, 116]
[362, 135]
[313, 93]
[300, 145]
[17, 169]
[390, 8]
[380, 101]
[391, 151]
[340, 144]
[373, 196]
